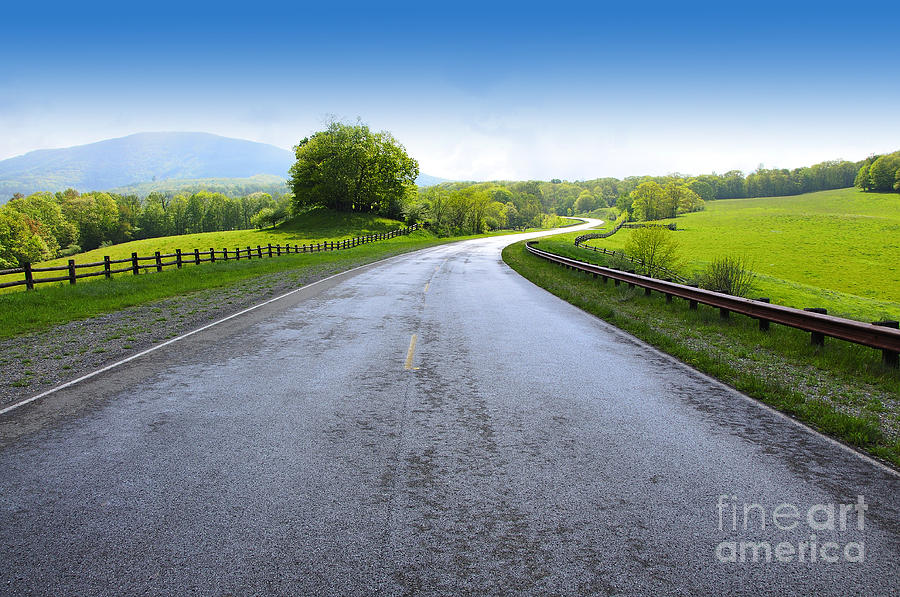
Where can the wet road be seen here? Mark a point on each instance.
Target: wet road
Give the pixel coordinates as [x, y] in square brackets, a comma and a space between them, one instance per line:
[431, 425]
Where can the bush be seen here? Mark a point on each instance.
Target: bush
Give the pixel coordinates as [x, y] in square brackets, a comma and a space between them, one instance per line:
[655, 249]
[730, 274]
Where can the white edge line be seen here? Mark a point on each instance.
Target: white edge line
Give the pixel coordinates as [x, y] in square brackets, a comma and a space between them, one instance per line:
[191, 333]
[771, 409]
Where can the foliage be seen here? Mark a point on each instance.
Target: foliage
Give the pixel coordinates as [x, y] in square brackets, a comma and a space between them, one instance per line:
[19, 241]
[656, 247]
[730, 274]
[350, 168]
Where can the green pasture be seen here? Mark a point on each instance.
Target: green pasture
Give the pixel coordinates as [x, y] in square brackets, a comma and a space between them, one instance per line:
[836, 249]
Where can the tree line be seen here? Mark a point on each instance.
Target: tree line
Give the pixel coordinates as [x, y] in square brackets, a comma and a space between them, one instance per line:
[46, 225]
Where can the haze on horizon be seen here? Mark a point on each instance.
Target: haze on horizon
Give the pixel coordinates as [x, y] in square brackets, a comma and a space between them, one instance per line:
[474, 91]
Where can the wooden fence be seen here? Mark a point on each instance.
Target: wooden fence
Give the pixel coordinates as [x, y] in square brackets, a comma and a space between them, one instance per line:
[136, 264]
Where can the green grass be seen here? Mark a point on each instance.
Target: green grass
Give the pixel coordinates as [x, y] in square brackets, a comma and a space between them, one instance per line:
[841, 389]
[834, 249]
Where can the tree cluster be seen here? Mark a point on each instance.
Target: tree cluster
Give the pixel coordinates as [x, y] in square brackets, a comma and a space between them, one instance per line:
[46, 225]
[350, 168]
[880, 173]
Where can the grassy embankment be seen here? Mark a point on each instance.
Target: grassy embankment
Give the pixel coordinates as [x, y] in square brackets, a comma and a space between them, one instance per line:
[57, 303]
[834, 249]
[841, 389]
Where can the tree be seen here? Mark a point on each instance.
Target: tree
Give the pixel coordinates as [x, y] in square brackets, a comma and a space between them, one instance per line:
[882, 172]
[649, 201]
[350, 168]
[862, 178]
[19, 241]
[95, 214]
[56, 231]
[655, 246]
[586, 202]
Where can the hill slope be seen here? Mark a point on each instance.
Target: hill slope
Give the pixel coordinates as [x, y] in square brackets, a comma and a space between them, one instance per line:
[140, 158]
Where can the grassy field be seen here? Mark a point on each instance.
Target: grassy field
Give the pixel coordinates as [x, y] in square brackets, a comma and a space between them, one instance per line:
[834, 249]
[841, 389]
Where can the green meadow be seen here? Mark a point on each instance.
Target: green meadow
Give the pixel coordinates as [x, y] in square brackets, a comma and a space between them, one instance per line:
[835, 249]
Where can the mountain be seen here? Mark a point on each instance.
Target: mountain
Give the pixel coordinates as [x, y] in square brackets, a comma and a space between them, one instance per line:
[144, 162]
[426, 180]
[143, 157]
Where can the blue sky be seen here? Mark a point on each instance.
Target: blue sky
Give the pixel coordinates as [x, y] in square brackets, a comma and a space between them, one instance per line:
[475, 90]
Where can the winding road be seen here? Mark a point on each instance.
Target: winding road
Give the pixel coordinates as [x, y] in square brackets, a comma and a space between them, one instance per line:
[430, 424]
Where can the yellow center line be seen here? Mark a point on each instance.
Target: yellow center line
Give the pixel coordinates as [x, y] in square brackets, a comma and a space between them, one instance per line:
[410, 352]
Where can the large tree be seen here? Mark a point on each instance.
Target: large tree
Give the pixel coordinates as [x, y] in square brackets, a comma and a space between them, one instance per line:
[350, 168]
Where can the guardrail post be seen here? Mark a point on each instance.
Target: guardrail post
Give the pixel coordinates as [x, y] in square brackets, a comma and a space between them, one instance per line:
[890, 358]
[135, 268]
[178, 258]
[763, 323]
[817, 338]
[29, 277]
[647, 292]
[106, 267]
[71, 271]
[723, 313]
[617, 281]
[158, 261]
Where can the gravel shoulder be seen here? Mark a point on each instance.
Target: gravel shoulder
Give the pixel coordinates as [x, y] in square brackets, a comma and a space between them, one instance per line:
[36, 362]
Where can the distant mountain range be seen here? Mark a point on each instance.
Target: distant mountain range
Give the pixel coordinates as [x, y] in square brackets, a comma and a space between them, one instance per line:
[147, 161]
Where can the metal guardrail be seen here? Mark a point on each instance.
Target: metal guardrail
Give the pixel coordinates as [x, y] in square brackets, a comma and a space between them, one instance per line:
[882, 335]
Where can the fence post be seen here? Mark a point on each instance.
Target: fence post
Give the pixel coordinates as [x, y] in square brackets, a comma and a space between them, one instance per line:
[259, 251]
[71, 271]
[225, 254]
[237, 253]
[178, 258]
[29, 277]
[212, 255]
[270, 249]
[763, 323]
[249, 253]
[158, 261]
[135, 268]
[817, 338]
[196, 256]
[278, 250]
[890, 358]
[106, 267]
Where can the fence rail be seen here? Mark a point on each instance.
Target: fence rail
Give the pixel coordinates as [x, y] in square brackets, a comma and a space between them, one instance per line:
[180, 258]
[883, 335]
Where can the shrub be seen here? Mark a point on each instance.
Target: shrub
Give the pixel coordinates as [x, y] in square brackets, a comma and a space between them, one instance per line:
[730, 274]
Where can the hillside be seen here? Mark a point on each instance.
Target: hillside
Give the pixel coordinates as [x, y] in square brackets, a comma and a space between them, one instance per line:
[836, 249]
[139, 158]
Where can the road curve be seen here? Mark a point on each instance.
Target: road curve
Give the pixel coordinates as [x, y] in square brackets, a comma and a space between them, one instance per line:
[433, 424]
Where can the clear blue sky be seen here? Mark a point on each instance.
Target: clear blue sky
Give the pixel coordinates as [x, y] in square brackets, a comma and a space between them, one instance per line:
[476, 90]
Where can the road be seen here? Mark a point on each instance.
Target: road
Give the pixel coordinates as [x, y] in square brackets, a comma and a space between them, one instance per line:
[433, 424]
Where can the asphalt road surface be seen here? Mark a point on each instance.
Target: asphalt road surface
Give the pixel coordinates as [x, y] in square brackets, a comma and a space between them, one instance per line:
[433, 424]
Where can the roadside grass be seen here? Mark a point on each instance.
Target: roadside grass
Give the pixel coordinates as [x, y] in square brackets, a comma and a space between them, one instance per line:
[57, 303]
[841, 389]
[836, 249]
[53, 304]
